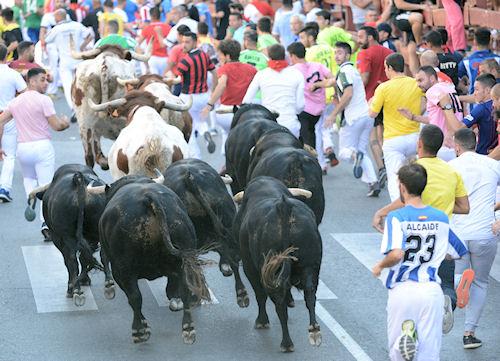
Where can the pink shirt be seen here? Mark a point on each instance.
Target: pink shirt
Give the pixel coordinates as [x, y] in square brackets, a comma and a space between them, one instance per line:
[31, 110]
[313, 72]
[436, 114]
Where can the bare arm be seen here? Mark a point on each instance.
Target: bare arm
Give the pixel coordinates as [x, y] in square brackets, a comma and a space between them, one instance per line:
[461, 205]
[343, 102]
[4, 118]
[451, 120]
[403, 5]
[214, 79]
[216, 94]
[467, 98]
[380, 215]
[495, 154]
[391, 259]
[362, 3]
[365, 77]
[58, 123]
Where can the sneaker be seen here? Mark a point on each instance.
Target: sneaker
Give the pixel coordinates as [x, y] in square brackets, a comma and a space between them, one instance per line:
[464, 287]
[408, 340]
[332, 158]
[45, 233]
[357, 169]
[210, 142]
[448, 315]
[5, 196]
[374, 190]
[382, 177]
[471, 342]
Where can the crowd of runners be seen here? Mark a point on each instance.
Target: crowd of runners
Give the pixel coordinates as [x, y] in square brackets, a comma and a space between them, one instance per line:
[414, 109]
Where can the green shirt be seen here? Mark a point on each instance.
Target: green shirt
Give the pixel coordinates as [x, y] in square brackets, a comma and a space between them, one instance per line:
[333, 34]
[265, 41]
[255, 58]
[115, 39]
[17, 14]
[31, 6]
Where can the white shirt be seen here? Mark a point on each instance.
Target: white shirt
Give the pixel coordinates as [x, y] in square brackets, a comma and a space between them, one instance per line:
[252, 13]
[171, 39]
[60, 35]
[48, 21]
[311, 15]
[481, 175]
[12, 83]
[357, 108]
[282, 92]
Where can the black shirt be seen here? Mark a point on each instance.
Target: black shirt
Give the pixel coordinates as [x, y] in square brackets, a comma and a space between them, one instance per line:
[11, 36]
[92, 20]
[448, 64]
[222, 23]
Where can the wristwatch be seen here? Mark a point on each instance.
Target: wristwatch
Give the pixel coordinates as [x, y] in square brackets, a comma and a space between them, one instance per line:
[447, 107]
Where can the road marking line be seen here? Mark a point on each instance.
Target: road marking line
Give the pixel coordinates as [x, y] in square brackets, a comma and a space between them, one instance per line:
[365, 247]
[345, 339]
[323, 293]
[49, 281]
[158, 285]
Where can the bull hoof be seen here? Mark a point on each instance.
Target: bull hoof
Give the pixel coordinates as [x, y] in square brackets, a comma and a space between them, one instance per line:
[291, 303]
[226, 270]
[109, 292]
[188, 333]
[78, 299]
[261, 325]
[141, 335]
[176, 304]
[287, 348]
[315, 335]
[69, 294]
[29, 214]
[85, 281]
[242, 298]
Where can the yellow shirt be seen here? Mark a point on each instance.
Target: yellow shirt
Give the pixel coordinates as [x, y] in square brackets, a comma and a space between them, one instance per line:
[400, 92]
[444, 184]
[323, 54]
[107, 17]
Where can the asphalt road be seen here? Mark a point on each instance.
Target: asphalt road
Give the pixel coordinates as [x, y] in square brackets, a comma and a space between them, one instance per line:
[38, 323]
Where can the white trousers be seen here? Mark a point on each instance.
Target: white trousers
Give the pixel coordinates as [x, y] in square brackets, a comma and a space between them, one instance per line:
[422, 302]
[157, 64]
[397, 151]
[67, 71]
[53, 60]
[224, 122]
[291, 122]
[37, 161]
[354, 138]
[9, 146]
[200, 125]
[323, 136]
[446, 154]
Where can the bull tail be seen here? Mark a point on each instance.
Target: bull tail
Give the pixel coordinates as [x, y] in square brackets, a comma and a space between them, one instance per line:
[82, 245]
[277, 265]
[104, 74]
[30, 213]
[191, 265]
[152, 155]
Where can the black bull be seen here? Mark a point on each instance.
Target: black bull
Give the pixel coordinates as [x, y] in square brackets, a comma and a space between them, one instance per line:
[147, 233]
[280, 248]
[72, 216]
[212, 211]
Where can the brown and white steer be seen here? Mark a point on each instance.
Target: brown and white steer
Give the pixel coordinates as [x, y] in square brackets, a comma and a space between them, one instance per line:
[147, 142]
[96, 81]
[160, 87]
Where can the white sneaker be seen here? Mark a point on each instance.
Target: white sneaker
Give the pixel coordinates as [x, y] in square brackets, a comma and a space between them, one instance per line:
[448, 315]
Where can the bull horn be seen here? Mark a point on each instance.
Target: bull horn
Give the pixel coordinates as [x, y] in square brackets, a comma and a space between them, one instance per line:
[95, 190]
[310, 150]
[298, 192]
[125, 82]
[226, 179]
[81, 54]
[224, 109]
[251, 151]
[159, 177]
[238, 197]
[143, 57]
[104, 106]
[180, 107]
[173, 81]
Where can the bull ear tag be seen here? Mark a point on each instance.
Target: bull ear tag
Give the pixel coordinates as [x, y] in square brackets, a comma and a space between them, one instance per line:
[29, 214]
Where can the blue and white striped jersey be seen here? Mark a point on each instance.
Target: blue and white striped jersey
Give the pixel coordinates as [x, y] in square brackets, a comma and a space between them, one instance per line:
[425, 237]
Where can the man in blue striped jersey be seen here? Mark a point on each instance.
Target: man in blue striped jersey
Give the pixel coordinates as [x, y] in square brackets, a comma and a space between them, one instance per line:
[417, 238]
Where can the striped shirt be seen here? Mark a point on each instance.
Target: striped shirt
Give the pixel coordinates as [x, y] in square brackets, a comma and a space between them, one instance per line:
[194, 68]
[424, 235]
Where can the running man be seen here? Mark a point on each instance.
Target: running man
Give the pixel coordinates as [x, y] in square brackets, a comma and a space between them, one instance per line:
[417, 238]
[34, 113]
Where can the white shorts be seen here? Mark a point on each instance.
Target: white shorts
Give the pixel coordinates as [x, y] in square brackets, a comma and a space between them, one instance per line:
[422, 302]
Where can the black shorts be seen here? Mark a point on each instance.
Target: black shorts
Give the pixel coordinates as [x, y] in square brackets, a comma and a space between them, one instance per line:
[404, 25]
[379, 119]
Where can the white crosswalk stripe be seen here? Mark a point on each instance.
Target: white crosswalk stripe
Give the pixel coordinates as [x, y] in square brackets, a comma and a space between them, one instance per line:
[49, 281]
[158, 285]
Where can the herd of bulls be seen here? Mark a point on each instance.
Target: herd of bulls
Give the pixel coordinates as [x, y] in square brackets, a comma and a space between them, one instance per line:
[148, 226]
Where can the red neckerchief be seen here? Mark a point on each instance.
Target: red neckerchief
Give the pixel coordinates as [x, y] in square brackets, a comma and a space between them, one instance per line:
[277, 65]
